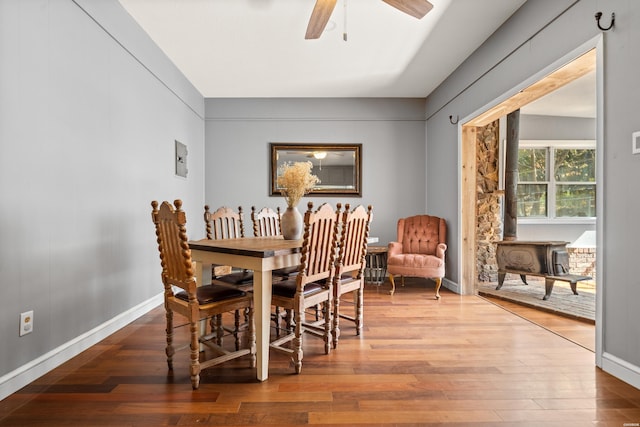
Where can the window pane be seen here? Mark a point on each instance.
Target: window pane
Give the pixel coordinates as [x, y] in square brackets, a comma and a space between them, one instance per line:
[577, 165]
[532, 164]
[575, 200]
[532, 200]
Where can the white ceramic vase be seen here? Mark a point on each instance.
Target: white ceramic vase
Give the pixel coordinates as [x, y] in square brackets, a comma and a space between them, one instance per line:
[291, 224]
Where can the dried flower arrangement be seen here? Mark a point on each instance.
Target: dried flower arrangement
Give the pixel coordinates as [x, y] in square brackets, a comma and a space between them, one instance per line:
[295, 180]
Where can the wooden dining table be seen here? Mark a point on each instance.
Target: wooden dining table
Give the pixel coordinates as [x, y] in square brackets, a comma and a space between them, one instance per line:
[260, 254]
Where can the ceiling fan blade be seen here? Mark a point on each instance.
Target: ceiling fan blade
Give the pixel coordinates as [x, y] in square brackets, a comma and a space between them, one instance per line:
[319, 18]
[415, 8]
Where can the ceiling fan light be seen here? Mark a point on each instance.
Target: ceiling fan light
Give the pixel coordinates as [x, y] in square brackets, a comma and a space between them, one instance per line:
[319, 154]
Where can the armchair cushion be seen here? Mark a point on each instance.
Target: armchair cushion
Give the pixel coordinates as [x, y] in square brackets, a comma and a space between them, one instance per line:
[418, 261]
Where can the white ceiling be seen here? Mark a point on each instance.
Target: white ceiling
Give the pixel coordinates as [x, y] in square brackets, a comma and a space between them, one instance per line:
[576, 99]
[256, 48]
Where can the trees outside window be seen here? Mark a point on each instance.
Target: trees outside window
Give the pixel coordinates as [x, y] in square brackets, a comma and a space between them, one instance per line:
[556, 182]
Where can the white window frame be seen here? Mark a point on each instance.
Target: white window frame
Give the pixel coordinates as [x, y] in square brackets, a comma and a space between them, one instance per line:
[551, 145]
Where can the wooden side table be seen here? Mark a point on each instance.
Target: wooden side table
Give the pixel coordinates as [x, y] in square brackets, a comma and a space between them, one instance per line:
[375, 271]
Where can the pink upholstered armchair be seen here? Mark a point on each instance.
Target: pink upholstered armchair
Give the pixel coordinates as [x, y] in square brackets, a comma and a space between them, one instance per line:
[419, 251]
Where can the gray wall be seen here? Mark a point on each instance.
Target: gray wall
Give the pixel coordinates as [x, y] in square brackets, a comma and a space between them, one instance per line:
[391, 131]
[538, 35]
[537, 127]
[88, 118]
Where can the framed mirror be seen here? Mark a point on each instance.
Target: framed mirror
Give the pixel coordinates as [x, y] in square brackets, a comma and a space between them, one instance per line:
[339, 166]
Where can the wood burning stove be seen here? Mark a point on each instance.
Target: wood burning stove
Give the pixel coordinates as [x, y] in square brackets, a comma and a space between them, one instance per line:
[548, 259]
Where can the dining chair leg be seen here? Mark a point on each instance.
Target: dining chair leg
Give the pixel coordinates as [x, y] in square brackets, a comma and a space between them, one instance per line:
[336, 320]
[169, 350]
[195, 355]
[217, 329]
[251, 336]
[289, 320]
[328, 324]
[276, 320]
[359, 310]
[297, 341]
[236, 329]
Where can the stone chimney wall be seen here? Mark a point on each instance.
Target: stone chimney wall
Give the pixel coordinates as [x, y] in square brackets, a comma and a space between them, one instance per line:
[488, 201]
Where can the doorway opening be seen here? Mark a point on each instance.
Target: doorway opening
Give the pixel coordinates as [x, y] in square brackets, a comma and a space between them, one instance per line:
[482, 197]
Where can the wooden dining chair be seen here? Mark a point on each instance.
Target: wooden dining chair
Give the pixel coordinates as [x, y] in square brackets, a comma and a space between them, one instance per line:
[266, 221]
[350, 265]
[312, 285]
[225, 223]
[195, 303]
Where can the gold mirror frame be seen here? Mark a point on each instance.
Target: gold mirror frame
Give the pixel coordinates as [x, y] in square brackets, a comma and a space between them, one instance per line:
[339, 166]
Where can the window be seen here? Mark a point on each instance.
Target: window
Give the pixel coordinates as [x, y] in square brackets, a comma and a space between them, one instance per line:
[557, 181]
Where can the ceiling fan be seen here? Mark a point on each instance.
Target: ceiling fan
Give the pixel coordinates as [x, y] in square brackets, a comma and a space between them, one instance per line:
[324, 8]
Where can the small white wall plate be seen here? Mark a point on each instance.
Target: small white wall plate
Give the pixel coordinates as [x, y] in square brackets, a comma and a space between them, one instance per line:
[181, 159]
[635, 142]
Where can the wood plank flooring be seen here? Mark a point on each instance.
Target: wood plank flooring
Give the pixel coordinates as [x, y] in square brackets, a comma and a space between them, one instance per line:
[562, 301]
[579, 331]
[459, 361]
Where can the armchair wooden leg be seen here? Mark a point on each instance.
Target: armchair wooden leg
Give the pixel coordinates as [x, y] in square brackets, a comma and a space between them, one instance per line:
[438, 284]
[393, 284]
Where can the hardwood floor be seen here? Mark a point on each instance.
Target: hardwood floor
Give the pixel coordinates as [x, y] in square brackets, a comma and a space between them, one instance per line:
[578, 331]
[459, 361]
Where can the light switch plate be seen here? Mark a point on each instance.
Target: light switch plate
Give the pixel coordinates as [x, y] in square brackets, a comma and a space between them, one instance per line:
[181, 159]
[635, 142]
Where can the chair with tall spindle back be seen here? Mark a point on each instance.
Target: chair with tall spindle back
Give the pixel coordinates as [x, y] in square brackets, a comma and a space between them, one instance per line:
[225, 223]
[266, 221]
[312, 285]
[349, 277]
[195, 303]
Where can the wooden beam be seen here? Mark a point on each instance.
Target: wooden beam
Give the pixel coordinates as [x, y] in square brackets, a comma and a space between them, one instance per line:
[566, 74]
[468, 211]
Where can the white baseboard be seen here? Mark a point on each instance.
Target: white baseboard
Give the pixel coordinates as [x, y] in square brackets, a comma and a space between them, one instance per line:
[452, 286]
[621, 369]
[15, 380]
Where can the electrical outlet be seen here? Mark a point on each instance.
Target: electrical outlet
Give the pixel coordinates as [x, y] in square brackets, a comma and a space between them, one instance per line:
[26, 322]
